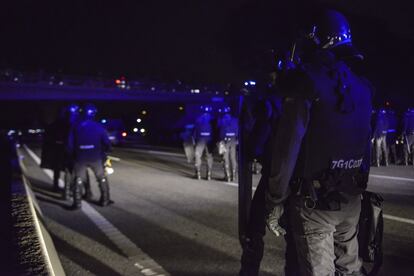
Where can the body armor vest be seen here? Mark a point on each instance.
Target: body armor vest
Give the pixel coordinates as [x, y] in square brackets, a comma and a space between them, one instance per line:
[203, 128]
[339, 127]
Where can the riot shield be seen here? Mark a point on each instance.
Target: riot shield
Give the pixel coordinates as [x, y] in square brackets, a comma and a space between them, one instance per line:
[245, 166]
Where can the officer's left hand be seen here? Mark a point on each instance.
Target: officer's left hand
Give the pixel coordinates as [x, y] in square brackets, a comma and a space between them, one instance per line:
[272, 220]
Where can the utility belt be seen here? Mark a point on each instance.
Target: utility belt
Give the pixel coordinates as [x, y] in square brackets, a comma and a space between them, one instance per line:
[316, 195]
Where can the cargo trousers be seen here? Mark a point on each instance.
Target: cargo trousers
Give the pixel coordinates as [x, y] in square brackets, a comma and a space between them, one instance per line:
[200, 148]
[326, 241]
[230, 159]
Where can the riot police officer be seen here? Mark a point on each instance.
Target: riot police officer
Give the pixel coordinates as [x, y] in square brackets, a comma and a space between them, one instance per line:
[88, 144]
[408, 135]
[54, 155]
[228, 132]
[320, 161]
[266, 113]
[203, 134]
[380, 137]
[391, 137]
[188, 142]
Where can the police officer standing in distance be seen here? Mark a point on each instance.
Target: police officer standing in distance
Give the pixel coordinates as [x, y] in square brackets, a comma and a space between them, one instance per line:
[228, 128]
[408, 135]
[89, 143]
[380, 137]
[320, 161]
[203, 133]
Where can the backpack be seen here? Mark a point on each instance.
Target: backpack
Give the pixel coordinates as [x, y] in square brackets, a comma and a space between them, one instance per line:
[371, 227]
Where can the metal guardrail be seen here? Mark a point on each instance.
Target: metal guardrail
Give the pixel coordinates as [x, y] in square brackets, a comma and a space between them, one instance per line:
[29, 249]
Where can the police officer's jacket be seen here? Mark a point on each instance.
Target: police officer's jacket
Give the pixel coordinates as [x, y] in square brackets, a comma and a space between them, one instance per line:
[203, 129]
[229, 128]
[408, 123]
[381, 124]
[88, 141]
[324, 127]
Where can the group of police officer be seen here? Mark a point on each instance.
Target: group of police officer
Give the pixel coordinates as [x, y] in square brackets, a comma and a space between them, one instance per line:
[210, 133]
[392, 140]
[73, 143]
[313, 136]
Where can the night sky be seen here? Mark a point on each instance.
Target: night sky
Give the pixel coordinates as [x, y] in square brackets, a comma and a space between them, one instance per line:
[195, 41]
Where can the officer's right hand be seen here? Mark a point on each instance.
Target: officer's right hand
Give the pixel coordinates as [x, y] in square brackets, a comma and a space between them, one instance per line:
[272, 221]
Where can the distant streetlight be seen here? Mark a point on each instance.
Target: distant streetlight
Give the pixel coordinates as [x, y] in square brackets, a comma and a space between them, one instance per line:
[135, 130]
[139, 120]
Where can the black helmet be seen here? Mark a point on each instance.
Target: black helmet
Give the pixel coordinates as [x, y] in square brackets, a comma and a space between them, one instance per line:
[330, 30]
[206, 108]
[90, 110]
[73, 109]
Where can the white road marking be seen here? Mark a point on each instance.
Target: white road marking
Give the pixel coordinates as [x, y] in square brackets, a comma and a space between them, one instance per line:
[109, 258]
[39, 231]
[113, 158]
[391, 177]
[234, 184]
[157, 152]
[399, 219]
[142, 261]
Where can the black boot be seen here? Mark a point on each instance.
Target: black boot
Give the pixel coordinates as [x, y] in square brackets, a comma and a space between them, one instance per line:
[88, 192]
[251, 257]
[77, 194]
[104, 186]
[69, 182]
[56, 177]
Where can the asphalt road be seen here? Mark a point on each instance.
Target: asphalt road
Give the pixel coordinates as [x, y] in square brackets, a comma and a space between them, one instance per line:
[164, 222]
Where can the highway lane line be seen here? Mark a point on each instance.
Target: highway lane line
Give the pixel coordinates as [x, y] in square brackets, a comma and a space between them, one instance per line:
[399, 219]
[391, 177]
[142, 261]
[38, 227]
[114, 158]
[234, 184]
[107, 256]
[156, 152]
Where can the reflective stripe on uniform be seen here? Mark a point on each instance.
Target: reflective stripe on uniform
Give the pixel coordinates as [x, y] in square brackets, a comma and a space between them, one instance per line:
[83, 147]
